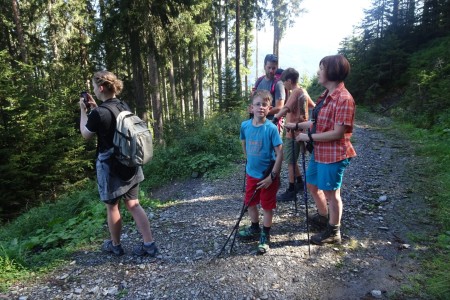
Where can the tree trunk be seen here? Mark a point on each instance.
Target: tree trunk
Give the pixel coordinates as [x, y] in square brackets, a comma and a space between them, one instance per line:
[246, 42]
[172, 90]
[19, 30]
[212, 97]
[200, 84]
[165, 101]
[179, 87]
[276, 34]
[193, 79]
[136, 64]
[256, 53]
[218, 45]
[238, 49]
[156, 98]
[52, 30]
[225, 25]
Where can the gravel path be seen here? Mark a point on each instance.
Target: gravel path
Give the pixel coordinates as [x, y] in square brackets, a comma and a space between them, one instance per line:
[383, 207]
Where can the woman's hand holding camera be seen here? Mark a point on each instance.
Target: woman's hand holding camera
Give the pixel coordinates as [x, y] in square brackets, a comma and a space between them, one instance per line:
[87, 102]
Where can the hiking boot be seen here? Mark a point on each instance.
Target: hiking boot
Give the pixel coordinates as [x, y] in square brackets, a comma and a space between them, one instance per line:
[141, 250]
[286, 196]
[249, 233]
[264, 240]
[331, 235]
[109, 247]
[318, 221]
[299, 187]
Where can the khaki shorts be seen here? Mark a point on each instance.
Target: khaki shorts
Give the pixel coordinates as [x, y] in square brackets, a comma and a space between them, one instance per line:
[287, 150]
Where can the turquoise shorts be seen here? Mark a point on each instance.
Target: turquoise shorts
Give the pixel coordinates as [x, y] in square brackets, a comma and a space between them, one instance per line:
[327, 177]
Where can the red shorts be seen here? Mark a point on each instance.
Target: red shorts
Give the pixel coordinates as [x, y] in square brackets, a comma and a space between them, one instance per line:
[266, 197]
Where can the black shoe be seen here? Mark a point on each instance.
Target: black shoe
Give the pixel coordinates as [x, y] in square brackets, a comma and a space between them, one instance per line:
[141, 250]
[109, 247]
[299, 186]
[331, 235]
[318, 221]
[286, 196]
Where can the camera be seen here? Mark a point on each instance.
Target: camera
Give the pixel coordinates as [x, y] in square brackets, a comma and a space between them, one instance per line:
[309, 146]
[85, 97]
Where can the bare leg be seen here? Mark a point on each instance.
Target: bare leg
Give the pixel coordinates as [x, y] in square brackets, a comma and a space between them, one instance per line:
[141, 219]
[293, 176]
[334, 198]
[320, 199]
[253, 213]
[268, 217]
[114, 222]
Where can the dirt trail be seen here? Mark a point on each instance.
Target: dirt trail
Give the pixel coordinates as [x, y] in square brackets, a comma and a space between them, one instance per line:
[383, 207]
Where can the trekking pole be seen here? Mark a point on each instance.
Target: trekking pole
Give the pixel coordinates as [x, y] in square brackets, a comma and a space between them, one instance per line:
[236, 226]
[240, 218]
[243, 210]
[305, 197]
[245, 173]
[293, 171]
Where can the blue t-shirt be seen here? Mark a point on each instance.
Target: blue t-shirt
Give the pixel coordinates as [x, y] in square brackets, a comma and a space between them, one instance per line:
[260, 142]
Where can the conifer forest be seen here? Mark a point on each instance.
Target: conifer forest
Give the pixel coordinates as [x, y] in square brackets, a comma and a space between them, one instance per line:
[183, 62]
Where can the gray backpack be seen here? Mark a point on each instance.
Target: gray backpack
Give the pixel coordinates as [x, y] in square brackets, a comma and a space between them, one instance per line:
[133, 145]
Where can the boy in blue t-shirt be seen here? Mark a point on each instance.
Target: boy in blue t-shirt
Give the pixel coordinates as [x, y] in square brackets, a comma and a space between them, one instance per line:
[260, 142]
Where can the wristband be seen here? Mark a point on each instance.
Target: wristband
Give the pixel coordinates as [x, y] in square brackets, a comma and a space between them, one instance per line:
[275, 120]
[273, 175]
[296, 126]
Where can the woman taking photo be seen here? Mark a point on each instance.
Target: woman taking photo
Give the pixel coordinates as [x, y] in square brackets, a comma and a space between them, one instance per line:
[114, 181]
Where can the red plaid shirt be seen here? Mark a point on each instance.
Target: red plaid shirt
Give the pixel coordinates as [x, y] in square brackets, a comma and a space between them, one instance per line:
[339, 108]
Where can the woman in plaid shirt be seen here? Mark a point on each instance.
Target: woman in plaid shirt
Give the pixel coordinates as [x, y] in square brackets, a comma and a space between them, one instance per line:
[329, 131]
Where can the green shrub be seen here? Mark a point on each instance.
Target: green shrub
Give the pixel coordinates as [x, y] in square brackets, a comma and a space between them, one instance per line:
[200, 147]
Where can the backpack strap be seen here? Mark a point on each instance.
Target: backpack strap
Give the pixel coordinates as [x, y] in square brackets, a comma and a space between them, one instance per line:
[114, 108]
[274, 83]
[258, 81]
[272, 88]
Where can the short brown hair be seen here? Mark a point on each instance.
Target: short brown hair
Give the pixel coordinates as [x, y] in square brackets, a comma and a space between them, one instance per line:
[336, 67]
[290, 73]
[265, 95]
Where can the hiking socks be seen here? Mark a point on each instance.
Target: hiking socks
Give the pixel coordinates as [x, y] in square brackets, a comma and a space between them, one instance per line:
[300, 180]
[291, 186]
[266, 230]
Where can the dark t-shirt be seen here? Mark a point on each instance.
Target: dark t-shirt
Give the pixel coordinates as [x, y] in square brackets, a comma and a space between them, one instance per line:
[102, 122]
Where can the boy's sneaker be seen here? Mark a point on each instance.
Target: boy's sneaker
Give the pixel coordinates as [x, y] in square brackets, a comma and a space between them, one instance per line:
[332, 235]
[286, 196]
[249, 233]
[318, 221]
[141, 250]
[109, 247]
[263, 246]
